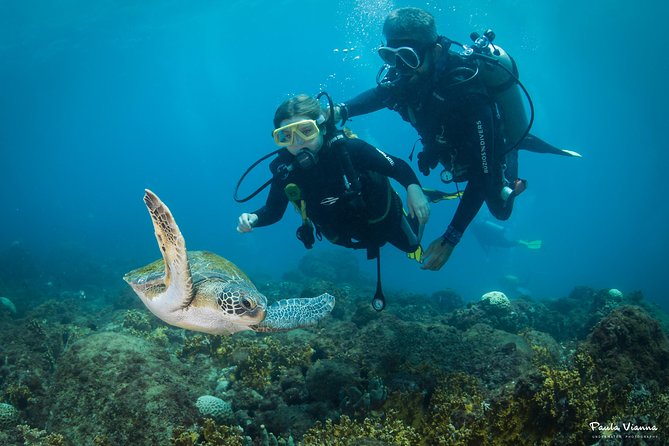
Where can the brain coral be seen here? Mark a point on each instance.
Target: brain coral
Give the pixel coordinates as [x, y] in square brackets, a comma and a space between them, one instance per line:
[214, 407]
[496, 300]
[615, 293]
[8, 416]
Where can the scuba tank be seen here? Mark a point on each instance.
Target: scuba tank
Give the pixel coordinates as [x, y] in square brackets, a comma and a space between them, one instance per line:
[499, 73]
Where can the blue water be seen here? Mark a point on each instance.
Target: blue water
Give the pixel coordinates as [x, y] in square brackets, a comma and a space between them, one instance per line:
[99, 100]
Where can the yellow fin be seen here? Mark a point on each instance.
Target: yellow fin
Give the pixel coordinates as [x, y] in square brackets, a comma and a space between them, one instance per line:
[416, 255]
[531, 244]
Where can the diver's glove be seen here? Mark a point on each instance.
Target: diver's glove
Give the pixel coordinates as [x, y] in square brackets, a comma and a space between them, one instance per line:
[340, 113]
[427, 160]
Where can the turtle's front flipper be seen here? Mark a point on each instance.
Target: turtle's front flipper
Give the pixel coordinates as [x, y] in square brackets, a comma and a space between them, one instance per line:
[295, 313]
[172, 245]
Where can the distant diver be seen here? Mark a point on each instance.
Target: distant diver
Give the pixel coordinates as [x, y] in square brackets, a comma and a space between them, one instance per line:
[492, 235]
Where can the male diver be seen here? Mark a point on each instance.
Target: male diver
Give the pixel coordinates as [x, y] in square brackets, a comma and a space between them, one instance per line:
[467, 106]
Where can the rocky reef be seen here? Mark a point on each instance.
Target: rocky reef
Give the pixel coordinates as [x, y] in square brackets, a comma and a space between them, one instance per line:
[591, 368]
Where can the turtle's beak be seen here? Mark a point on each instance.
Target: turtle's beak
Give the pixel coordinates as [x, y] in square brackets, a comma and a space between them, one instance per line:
[258, 313]
[257, 316]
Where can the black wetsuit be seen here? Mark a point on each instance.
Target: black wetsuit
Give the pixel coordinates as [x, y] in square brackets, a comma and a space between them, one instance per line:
[367, 219]
[460, 127]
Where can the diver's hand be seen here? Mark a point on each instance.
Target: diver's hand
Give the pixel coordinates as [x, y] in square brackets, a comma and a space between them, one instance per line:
[418, 203]
[337, 113]
[437, 254]
[340, 113]
[427, 160]
[246, 222]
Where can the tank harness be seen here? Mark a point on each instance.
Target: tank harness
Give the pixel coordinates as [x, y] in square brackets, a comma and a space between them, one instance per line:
[498, 73]
[352, 194]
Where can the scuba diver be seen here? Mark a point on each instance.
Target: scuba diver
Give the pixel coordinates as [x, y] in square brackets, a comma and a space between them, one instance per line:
[492, 235]
[339, 185]
[466, 103]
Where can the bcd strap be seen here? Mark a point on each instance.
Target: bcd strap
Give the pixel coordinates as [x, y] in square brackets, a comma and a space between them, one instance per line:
[351, 180]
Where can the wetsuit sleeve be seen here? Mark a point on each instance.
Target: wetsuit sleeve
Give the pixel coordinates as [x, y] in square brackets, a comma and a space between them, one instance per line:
[276, 203]
[367, 102]
[486, 176]
[368, 157]
[274, 208]
[470, 204]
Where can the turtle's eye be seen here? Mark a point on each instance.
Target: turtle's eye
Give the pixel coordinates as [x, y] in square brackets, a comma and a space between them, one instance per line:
[247, 303]
[236, 301]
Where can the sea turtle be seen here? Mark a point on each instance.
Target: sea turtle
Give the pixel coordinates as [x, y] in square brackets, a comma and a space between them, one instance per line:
[201, 291]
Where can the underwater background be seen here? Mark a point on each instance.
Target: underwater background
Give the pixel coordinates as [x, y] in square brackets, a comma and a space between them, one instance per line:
[100, 100]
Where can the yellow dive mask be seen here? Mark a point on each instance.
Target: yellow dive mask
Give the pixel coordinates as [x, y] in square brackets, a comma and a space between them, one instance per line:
[306, 129]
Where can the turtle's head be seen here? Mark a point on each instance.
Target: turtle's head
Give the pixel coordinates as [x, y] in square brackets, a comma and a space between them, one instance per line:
[239, 303]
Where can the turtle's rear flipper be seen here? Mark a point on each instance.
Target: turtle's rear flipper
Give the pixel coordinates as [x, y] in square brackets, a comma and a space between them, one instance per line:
[295, 313]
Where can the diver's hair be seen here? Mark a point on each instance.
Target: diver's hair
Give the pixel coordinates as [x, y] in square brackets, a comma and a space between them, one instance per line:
[410, 24]
[299, 105]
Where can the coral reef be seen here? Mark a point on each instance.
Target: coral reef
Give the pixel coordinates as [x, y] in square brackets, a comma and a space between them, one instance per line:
[579, 312]
[370, 431]
[337, 266]
[96, 369]
[37, 437]
[630, 346]
[363, 399]
[456, 412]
[446, 300]
[125, 381]
[210, 434]
[336, 373]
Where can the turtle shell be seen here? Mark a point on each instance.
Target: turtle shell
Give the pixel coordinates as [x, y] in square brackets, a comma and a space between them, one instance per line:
[204, 265]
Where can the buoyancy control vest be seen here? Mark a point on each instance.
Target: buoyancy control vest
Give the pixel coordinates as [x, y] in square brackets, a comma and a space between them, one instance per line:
[351, 217]
[480, 68]
[499, 73]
